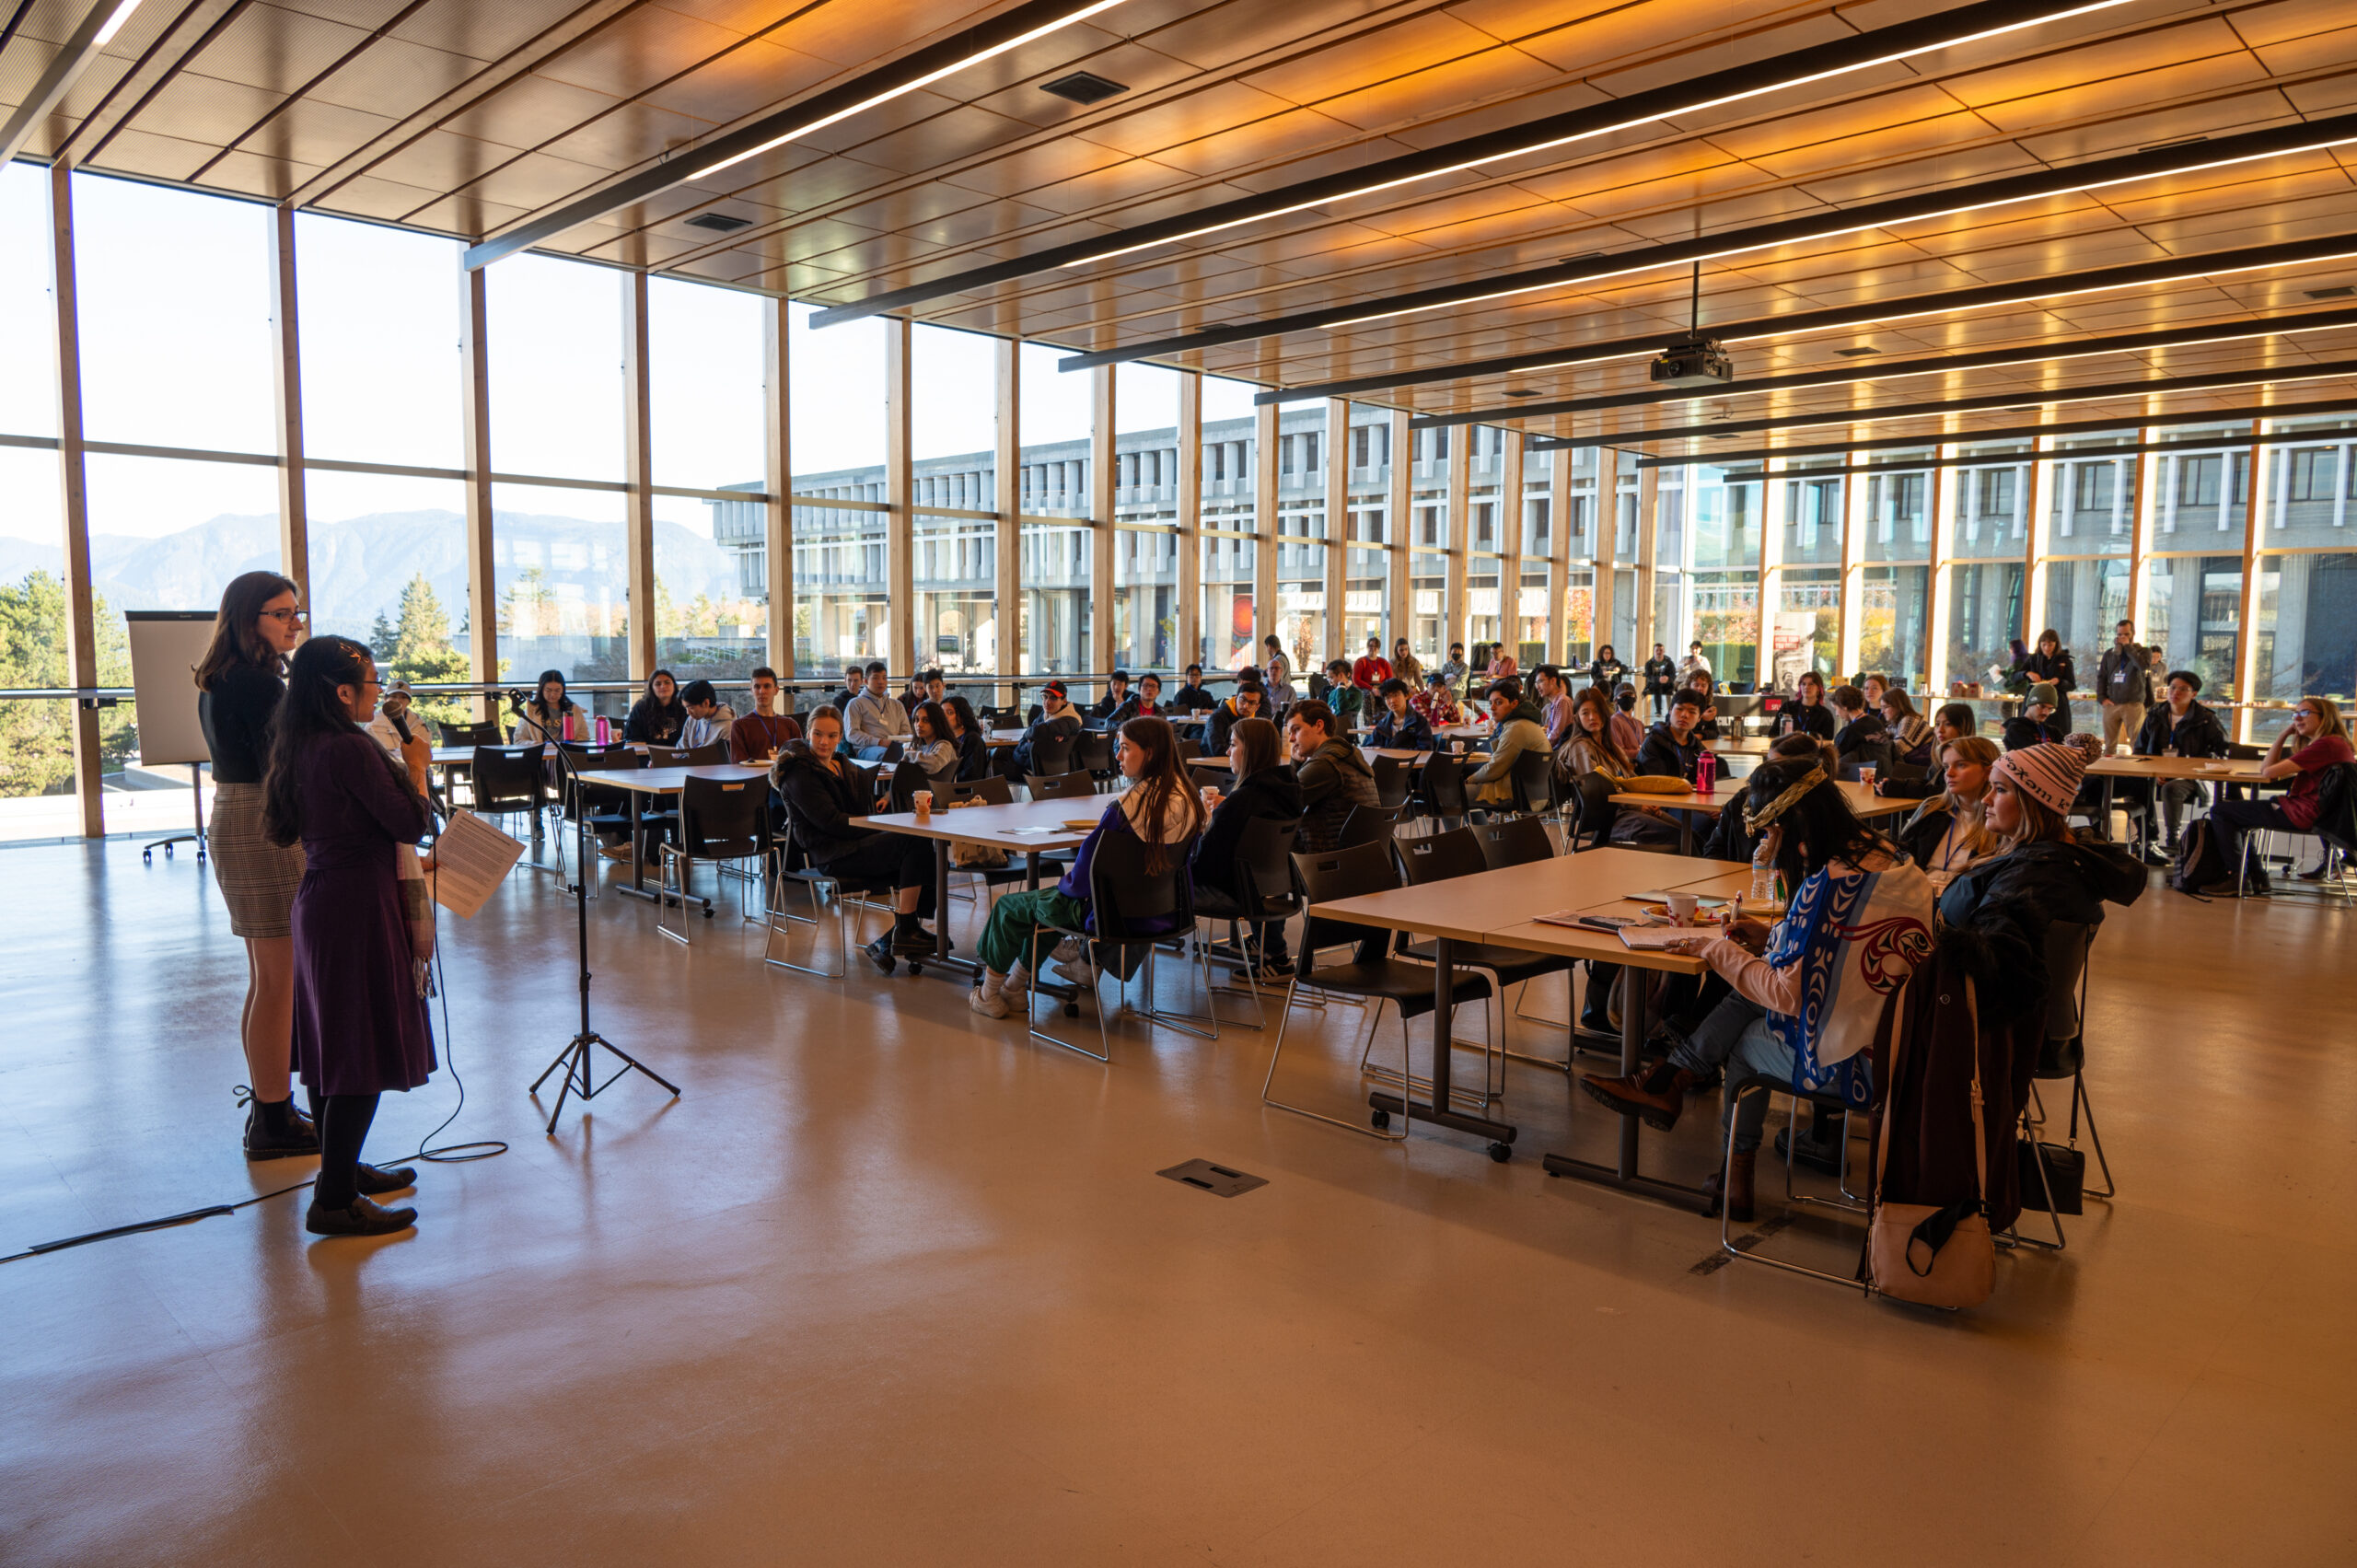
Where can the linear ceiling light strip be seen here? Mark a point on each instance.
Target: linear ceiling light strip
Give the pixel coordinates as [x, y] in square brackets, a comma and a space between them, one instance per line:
[2023, 432]
[1754, 79]
[78, 53]
[2111, 393]
[2279, 141]
[2196, 447]
[1009, 29]
[1851, 375]
[2098, 280]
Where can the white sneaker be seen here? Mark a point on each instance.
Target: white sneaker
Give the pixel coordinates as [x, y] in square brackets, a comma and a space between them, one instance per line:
[1069, 951]
[988, 998]
[1080, 972]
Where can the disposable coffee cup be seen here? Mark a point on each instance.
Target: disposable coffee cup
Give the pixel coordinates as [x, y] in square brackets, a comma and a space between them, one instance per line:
[1682, 906]
[922, 801]
[1867, 775]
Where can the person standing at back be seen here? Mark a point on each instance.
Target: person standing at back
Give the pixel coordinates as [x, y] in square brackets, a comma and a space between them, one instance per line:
[240, 683]
[2122, 683]
[1661, 679]
[360, 965]
[2050, 662]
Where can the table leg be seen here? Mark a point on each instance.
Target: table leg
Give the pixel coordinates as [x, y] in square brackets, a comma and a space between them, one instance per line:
[1500, 1133]
[1623, 1172]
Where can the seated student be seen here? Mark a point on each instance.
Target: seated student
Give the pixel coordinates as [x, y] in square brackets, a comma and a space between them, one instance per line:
[1702, 686]
[1453, 670]
[2316, 741]
[1518, 731]
[1874, 686]
[1118, 703]
[760, 735]
[1589, 747]
[1609, 673]
[854, 681]
[1347, 700]
[656, 718]
[1860, 726]
[932, 749]
[1910, 736]
[1670, 749]
[2178, 727]
[1279, 682]
[1246, 702]
[1627, 733]
[973, 746]
[2036, 723]
[709, 718]
[1807, 995]
[1948, 833]
[914, 692]
[1728, 838]
[1160, 809]
[1437, 701]
[876, 718]
[937, 687]
[1805, 711]
[1057, 720]
[1333, 773]
[1501, 663]
[1150, 697]
[1406, 665]
[1372, 670]
[1400, 729]
[1554, 695]
[551, 715]
[1191, 698]
[1264, 787]
[822, 795]
[1953, 721]
[406, 734]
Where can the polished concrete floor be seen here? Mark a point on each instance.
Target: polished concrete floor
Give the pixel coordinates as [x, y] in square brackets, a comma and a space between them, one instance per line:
[892, 1283]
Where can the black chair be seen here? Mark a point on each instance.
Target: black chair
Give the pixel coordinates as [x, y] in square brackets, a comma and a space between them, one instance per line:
[720, 819]
[1391, 780]
[1461, 854]
[991, 790]
[1590, 812]
[1052, 754]
[1515, 840]
[794, 866]
[512, 781]
[1370, 825]
[1093, 754]
[1533, 777]
[2062, 1055]
[1442, 785]
[1133, 911]
[1264, 895]
[1062, 786]
[1371, 974]
[596, 809]
[488, 733]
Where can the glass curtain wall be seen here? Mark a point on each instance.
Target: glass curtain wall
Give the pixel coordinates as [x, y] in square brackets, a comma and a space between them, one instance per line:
[835, 405]
[1988, 540]
[1056, 420]
[1302, 609]
[706, 407]
[1894, 594]
[1145, 511]
[1366, 578]
[1428, 540]
[953, 478]
[1230, 529]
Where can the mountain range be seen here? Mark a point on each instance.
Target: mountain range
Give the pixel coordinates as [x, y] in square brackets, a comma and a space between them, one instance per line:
[359, 565]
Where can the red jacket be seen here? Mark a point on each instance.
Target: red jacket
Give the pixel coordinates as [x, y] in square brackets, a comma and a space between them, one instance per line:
[1370, 672]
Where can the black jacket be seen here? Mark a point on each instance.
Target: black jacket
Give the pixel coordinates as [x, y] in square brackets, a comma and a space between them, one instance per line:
[1662, 757]
[2055, 667]
[1113, 712]
[1858, 731]
[822, 803]
[1335, 779]
[2022, 730]
[2125, 667]
[1223, 719]
[1924, 830]
[1189, 700]
[2006, 903]
[1409, 734]
[1272, 793]
[1798, 718]
[657, 724]
[1609, 674]
[973, 756]
[1066, 724]
[1728, 838]
[1661, 676]
[2199, 734]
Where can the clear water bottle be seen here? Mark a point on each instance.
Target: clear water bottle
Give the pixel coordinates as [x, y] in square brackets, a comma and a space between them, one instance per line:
[1763, 876]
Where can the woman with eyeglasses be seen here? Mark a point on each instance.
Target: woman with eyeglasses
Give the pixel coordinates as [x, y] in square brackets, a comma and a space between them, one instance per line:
[240, 682]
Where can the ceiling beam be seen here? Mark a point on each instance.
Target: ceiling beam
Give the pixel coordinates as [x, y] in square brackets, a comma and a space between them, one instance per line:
[2012, 432]
[77, 54]
[1892, 370]
[687, 164]
[1752, 79]
[2236, 442]
[2179, 159]
[1954, 301]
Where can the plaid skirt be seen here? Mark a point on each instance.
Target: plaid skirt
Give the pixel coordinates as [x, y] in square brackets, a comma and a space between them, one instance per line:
[258, 878]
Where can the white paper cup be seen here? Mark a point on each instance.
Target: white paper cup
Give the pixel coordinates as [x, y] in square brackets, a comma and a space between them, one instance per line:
[1867, 775]
[1682, 906]
[922, 801]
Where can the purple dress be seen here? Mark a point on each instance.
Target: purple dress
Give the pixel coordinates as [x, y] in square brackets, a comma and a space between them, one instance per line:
[360, 1026]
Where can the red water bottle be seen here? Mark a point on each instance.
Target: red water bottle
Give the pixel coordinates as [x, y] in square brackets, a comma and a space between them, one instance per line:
[1706, 772]
[605, 731]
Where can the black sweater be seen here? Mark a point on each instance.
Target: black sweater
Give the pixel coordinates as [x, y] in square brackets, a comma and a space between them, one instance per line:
[2199, 734]
[822, 802]
[1796, 717]
[1272, 793]
[236, 717]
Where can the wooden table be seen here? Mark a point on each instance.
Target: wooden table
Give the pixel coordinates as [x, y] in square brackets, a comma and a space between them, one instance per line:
[1728, 792]
[640, 783]
[1028, 827]
[2207, 769]
[1501, 907]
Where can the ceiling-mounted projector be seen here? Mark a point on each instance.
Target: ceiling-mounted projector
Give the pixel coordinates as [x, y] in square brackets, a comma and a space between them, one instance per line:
[1692, 361]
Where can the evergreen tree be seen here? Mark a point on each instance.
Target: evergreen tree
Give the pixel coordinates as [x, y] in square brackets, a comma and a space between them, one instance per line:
[36, 739]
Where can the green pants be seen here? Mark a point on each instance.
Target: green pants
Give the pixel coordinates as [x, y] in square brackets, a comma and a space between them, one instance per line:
[1006, 940]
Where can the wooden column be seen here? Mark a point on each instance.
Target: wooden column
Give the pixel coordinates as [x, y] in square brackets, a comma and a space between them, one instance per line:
[286, 383]
[1857, 492]
[1775, 514]
[1558, 553]
[2254, 520]
[1605, 572]
[1337, 528]
[1399, 532]
[73, 496]
[474, 402]
[1648, 546]
[1457, 611]
[1510, 542]
[2139, 558]
[2042, 525]
[1101, 477]
[778, 514]
[1006, 500]
[1189, 542]
[899, 495]
[1946, 482]
[638, 471]
[1265, 457]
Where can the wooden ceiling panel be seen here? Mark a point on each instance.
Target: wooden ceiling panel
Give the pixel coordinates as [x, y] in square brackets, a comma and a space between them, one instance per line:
[2329, 95]
[955, 133]
[276, 51]
[374, 197]
[1925, 176]
[746, 80]
[2152, 91]
[1420, 43]
[2176, 123]
[1295, 133]
[1035, 168]
[1483, 118]
[2091, 65]
[1141, 70]
[638, 48]
[528, 112]
[1109, 191]
[483, 32]
[393, 78]
[1216, 110]
[465, 214]
[267, 175]
[1233, 31]
[207, 108]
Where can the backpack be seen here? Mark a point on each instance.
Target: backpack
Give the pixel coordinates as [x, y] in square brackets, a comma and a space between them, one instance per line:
[2197, 864]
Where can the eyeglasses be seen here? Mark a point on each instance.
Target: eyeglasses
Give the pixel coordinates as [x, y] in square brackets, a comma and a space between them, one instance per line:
[289, 617]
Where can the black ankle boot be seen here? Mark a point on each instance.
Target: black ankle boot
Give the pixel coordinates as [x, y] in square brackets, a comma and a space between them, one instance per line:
[274, 1132]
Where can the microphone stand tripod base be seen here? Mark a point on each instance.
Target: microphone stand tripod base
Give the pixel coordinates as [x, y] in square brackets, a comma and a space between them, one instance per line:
[580, 1079]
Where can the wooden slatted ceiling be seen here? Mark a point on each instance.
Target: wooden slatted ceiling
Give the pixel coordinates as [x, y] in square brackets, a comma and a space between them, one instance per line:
[465, 118]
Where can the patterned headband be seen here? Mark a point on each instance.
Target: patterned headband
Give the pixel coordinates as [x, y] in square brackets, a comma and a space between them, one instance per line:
[1754, 821]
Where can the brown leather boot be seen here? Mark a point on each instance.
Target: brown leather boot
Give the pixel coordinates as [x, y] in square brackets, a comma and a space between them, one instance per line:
[1658, 1096]
[1738, 1195]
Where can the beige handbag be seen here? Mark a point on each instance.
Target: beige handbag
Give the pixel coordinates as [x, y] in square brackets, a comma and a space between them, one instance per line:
[1935, 1257]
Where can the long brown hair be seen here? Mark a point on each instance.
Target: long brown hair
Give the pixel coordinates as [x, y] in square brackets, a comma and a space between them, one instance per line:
[1593, 697]
[2328, 715]
[1159, 785]
[1258, 739]
[237, 639]
[1972, 816]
